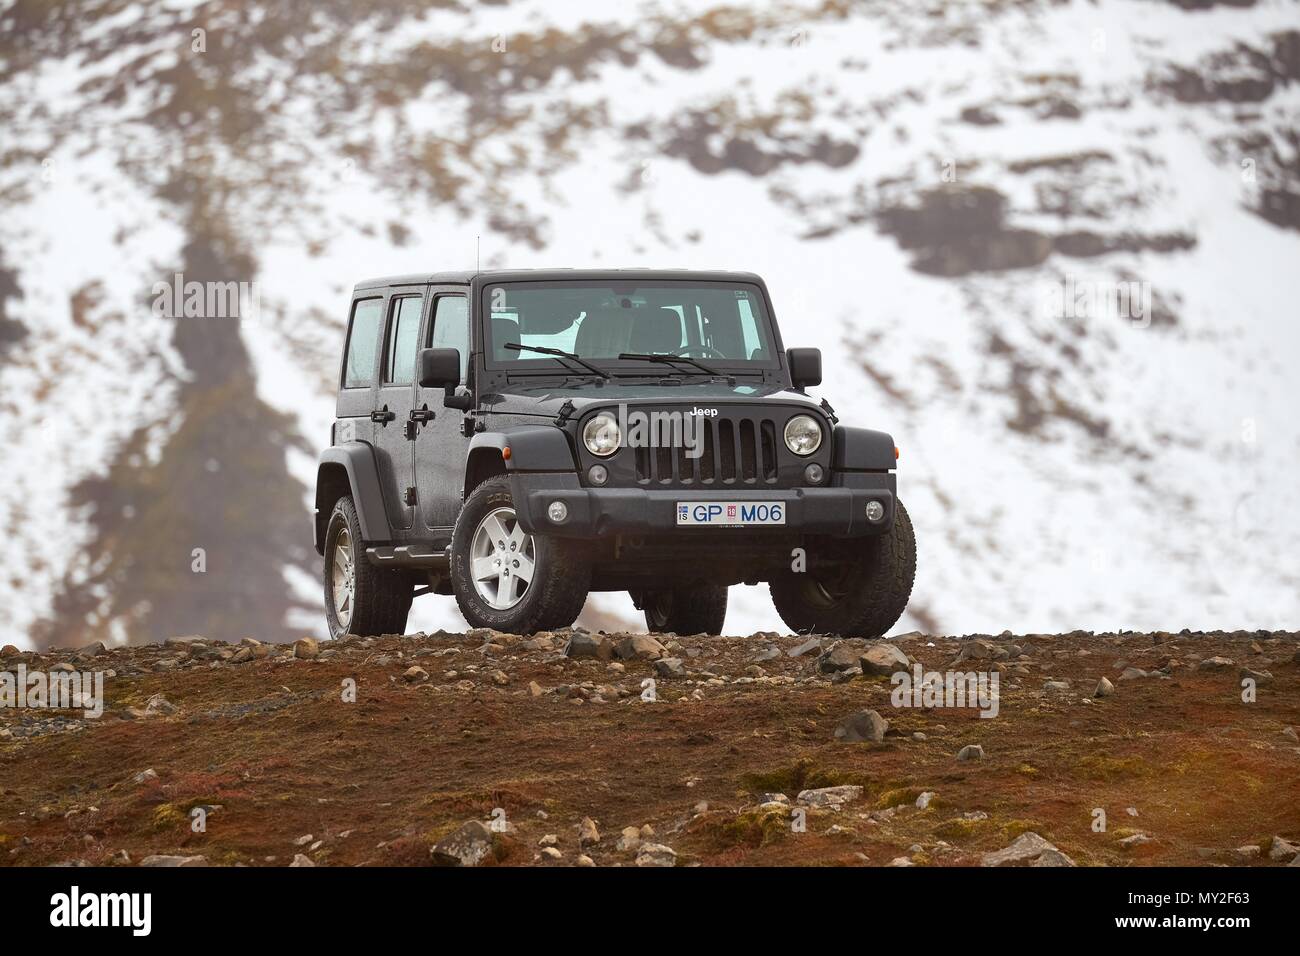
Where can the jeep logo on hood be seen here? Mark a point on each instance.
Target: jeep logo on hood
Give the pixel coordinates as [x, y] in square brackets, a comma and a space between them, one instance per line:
[704, 412]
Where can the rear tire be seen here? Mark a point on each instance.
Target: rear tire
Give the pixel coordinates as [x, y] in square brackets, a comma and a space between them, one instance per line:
[862, 595]
[507, 579]
[698, 610]
[359, 597]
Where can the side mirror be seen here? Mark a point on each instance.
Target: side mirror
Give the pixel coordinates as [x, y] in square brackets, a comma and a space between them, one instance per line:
[805, 366]
[439, 368]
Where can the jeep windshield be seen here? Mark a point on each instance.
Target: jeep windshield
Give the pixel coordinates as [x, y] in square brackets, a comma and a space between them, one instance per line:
[723, 326]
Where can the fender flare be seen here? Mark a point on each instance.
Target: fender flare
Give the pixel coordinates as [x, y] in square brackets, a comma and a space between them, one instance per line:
[357, 460]
[861, 449]
[532, 447]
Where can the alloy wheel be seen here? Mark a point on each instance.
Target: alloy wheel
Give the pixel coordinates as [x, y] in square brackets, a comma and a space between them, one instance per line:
[502, 559]
[343, 580]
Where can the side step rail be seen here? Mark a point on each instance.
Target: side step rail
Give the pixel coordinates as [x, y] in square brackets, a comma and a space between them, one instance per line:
[409, 556]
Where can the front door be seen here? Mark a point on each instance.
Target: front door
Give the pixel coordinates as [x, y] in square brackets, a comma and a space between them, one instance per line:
[393, 450]
[440, 444]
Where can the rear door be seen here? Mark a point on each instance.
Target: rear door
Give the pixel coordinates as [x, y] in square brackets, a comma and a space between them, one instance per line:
[392, 403]
[360, 369]
[440, 443]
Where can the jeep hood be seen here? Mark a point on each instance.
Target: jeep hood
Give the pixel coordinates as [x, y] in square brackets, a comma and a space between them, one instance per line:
[545, 400]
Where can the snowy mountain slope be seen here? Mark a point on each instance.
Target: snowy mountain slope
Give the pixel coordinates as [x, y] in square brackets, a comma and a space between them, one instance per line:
[921, 184]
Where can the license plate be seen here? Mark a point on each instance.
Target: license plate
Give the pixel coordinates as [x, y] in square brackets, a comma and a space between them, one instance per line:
[730, 513]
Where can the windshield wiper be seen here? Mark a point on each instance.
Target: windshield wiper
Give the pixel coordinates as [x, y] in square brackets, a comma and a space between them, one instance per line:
[672, 360]
[557, 353]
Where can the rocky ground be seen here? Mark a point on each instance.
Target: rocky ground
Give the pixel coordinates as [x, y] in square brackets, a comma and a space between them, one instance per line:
[574, 748]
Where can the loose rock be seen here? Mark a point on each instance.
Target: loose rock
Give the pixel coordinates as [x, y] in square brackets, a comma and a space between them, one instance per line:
[829, 796]
[656, 854]
[467, 846]
[670, 667]
[629, 839]
[812, 644]
[1026, 850]
[159, 705]
[976, 649]
[839, 658]
[865, 725]
[166, 860]
[640, 647]
[882, 660]
[1282, 849]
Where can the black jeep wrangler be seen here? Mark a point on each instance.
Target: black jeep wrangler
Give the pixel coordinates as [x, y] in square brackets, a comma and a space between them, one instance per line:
[519, 439]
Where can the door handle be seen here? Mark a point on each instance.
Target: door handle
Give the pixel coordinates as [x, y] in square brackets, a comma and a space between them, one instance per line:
[417, 417]
[382, 415]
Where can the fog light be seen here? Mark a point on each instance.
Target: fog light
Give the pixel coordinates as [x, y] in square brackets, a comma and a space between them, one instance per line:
[557, 511]
[875, 510]
[597, 475]
[814, 474]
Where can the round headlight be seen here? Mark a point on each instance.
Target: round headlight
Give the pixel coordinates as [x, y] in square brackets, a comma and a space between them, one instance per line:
[803, 435]
[602, 436]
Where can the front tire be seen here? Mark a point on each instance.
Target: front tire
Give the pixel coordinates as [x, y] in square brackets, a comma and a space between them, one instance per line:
[359, 597]
[507, 579]
[862, 593]
[699, 610]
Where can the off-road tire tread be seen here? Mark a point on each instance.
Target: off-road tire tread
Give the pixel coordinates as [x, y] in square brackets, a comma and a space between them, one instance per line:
[697, 610]
[390, 591]
[564, 583]
[566, 598]
[877, 607]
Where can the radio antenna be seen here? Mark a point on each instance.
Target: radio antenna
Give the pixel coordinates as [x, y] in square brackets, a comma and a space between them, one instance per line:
[477, 256]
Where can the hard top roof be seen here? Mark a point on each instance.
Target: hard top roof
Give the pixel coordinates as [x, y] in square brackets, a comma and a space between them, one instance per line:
[543, 275]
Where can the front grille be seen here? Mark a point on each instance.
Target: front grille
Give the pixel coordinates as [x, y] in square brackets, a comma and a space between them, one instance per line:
[736, 451]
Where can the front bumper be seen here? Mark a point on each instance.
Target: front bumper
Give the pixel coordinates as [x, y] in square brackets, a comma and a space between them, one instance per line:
[837, 510]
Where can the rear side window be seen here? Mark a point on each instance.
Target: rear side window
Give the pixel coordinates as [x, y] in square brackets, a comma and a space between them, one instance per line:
[403, 337]
[451, 327]
[363, 342]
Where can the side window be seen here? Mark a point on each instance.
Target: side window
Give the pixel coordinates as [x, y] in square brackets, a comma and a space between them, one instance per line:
[451, 328]
[403, 337]
[363, 340]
